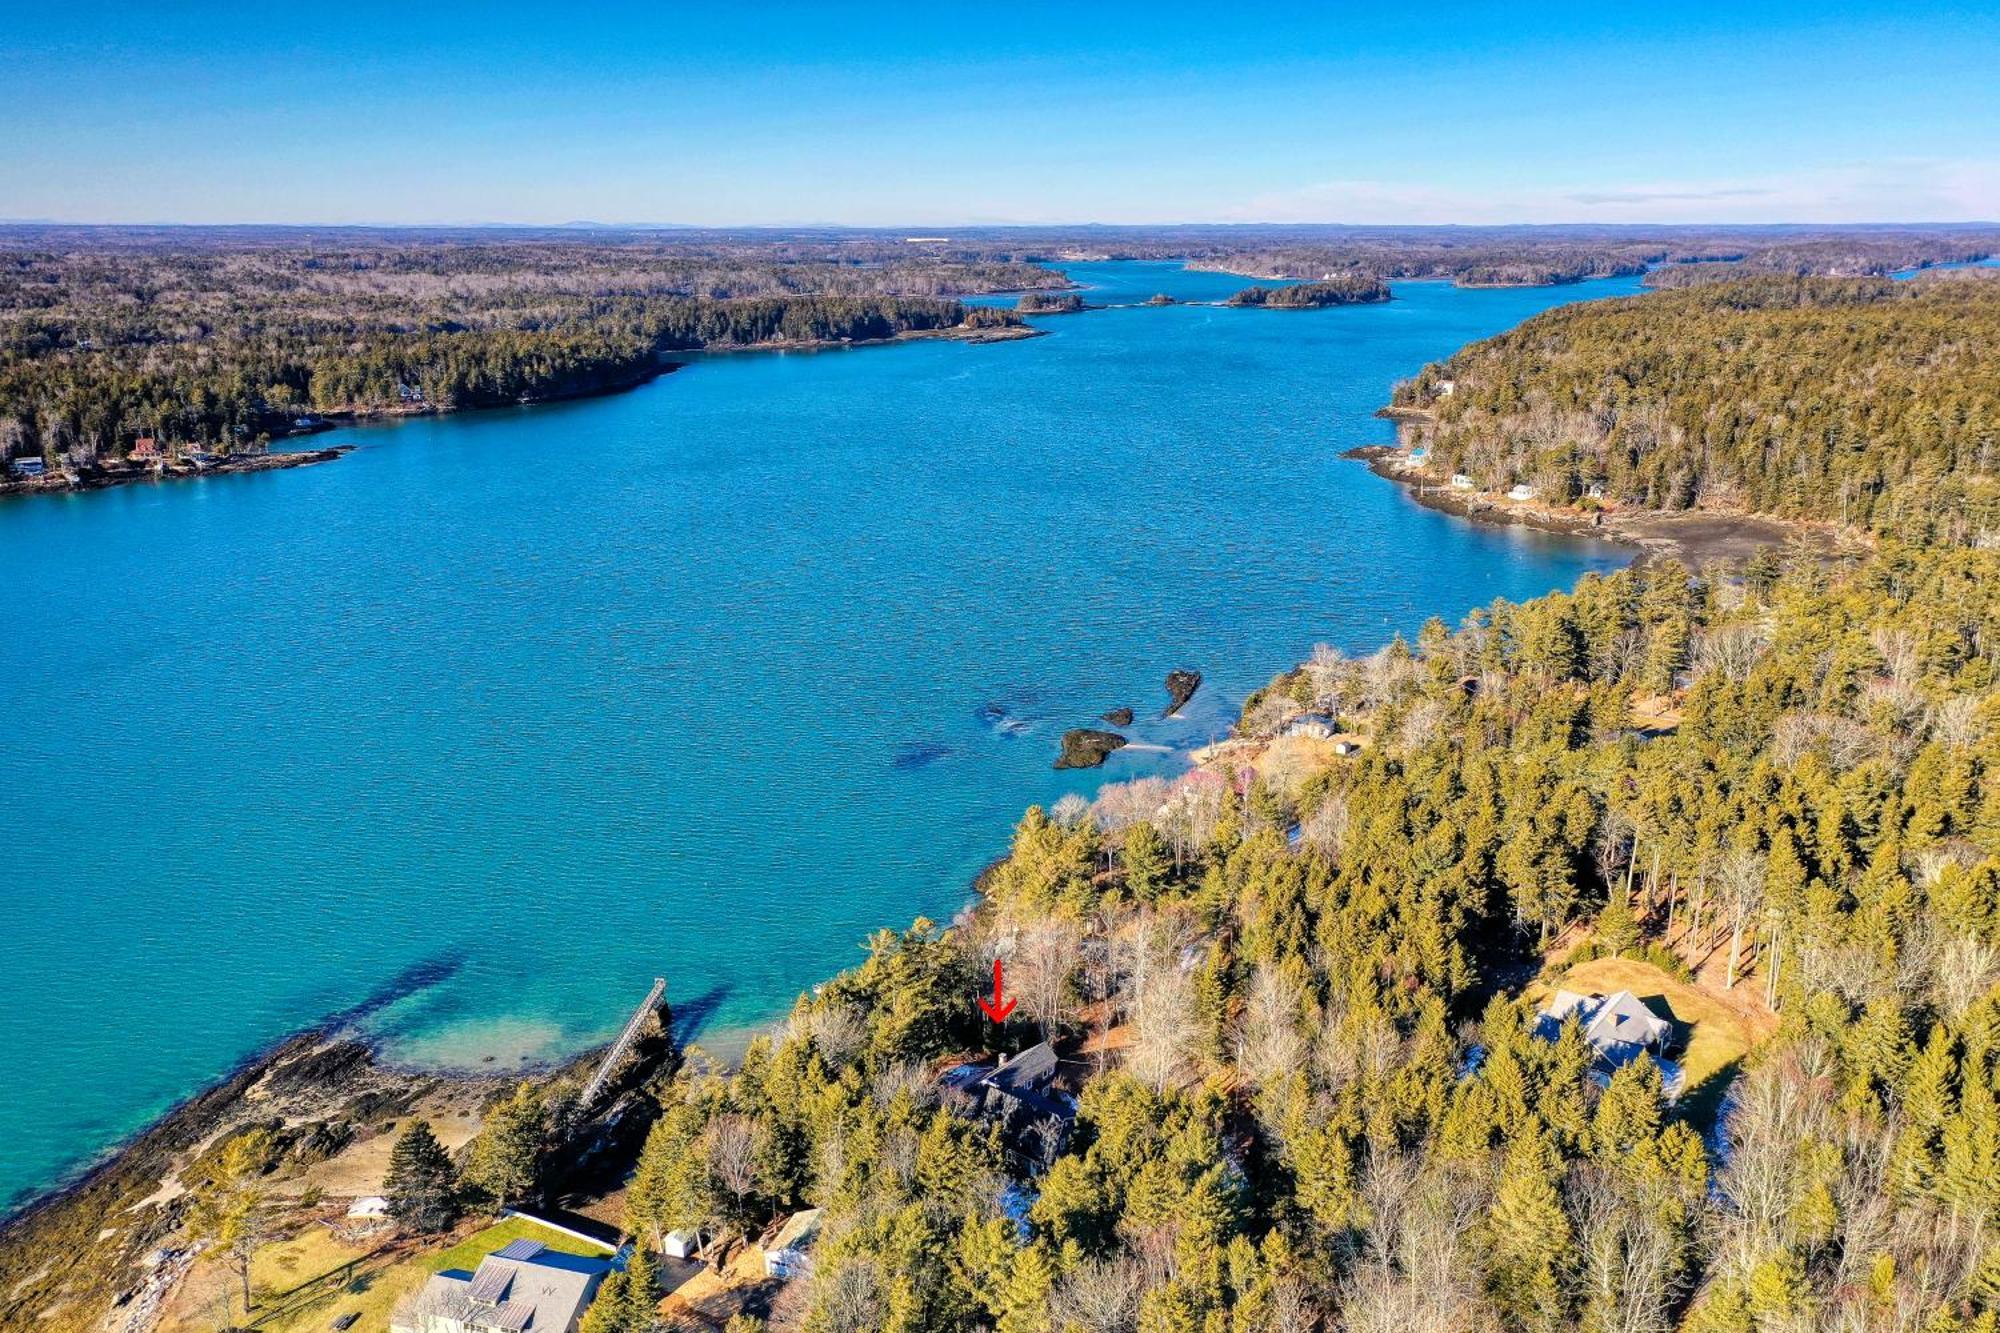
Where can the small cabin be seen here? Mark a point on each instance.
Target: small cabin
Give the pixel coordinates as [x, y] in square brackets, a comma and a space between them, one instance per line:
[680, 1244]
[1595, 490]
[368, 1208]
[29, 466]
[1521, 491]
[1445, 388]
[1317, 726]
[1461, 482]
[1346, 748]
[145, 449]
[789, 1253]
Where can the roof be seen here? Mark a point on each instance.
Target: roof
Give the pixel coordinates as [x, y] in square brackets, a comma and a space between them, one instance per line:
[1028, 1072]
[1617, 1026]
[524, 1287]
[798, 1233]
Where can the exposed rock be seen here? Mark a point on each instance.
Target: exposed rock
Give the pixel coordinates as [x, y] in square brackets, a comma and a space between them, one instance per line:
[1181, 686]
[1086, 747]
[1118, 717]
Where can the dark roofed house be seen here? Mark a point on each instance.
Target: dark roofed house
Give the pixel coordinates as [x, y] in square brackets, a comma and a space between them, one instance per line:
[1019, 1094]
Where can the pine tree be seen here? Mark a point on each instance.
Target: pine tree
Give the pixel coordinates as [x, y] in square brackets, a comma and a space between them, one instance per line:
[422, 1184]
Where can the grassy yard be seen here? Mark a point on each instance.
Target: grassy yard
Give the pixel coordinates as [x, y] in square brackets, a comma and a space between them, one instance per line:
[307, 1282]
[1718, 1034]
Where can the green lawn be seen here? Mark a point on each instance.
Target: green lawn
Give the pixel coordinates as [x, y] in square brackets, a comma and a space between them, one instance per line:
[308, 1282]
[1717, 1037]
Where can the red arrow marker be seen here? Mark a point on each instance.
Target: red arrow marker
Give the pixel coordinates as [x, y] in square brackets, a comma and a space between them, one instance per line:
[999, 1006]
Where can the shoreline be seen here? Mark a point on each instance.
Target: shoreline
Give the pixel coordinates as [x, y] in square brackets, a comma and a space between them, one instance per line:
[666, 362]
[1693, 536]
[328, 1065]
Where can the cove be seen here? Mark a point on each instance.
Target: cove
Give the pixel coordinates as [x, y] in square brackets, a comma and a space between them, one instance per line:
[483, 726]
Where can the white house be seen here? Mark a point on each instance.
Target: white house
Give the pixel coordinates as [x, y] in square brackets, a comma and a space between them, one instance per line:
[1620, 1028]
[368, 1208]
[789, 1253]
[1461, 482]
[30, 466]
[523, 1287]
[1522, 491]
[1318, 726]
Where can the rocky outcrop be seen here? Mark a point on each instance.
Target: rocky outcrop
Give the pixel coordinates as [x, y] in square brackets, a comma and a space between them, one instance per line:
[1086, 747]
[1181, 686]
[1118, 717]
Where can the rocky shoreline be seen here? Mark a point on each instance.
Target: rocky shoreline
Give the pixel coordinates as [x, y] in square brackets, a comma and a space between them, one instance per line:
[108, 1246]
[1694, 536]
[101, 476]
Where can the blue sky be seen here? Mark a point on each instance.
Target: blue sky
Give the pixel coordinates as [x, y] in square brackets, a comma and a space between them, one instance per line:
[956, 113]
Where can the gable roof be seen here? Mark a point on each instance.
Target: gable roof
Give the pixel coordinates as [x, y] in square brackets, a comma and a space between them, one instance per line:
[1026, 1073]
[521, 1288]
[1617, 1026]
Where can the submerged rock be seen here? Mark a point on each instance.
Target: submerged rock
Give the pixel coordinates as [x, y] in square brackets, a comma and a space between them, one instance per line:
[1118, 717]
[1086, 747]
[1181, 686]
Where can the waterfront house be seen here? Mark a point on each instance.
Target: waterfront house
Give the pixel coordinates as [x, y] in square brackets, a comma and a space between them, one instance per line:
[1461, 482]
[27, 466]
[523, 1287]
[1419, 456]
[788, 1254]
[1522, 491]
[1318, 726]
[145, 449]
[1595, 490]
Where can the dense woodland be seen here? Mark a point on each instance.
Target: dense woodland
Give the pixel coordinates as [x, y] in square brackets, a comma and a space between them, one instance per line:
[1296, 1132]
[220, 337]
[1352, 289]
[219, 344]
[1312, 1096]
[1869, 402]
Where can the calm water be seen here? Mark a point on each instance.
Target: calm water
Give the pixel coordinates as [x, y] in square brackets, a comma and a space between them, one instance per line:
[699, 679]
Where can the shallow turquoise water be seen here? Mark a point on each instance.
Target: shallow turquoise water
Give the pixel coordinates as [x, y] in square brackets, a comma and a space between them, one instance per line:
[695, 679]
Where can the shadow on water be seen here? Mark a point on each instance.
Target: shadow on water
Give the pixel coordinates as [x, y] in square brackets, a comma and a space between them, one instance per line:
[417, 977]
[693, 1015]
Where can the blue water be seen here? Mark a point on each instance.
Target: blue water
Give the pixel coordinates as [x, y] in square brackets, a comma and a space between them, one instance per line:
[697, 680]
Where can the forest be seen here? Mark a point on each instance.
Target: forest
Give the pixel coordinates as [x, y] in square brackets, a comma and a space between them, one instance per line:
[1295, 1000]
[1352, 289]
[1865, 402]
[219, 341]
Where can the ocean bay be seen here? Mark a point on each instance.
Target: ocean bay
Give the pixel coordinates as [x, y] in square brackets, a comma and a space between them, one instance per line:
[712, 678]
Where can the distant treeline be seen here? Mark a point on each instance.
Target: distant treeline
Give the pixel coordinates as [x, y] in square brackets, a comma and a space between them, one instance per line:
[1352, 289]
[218, 347]
[1863, 400]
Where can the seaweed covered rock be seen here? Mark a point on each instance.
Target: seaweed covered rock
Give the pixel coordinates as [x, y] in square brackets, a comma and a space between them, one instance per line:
[1086, 747]
[1181, 686]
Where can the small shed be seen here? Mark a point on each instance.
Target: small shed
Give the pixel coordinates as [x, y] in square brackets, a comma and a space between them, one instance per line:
[1521, 491]
[1461, 482]
[30, 466]
[680, 1244]
[368, 1208]
[1344, 748]
[790, 1252]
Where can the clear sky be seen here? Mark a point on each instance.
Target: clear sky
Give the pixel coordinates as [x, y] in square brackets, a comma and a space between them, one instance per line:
[755, 112]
